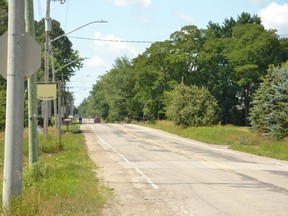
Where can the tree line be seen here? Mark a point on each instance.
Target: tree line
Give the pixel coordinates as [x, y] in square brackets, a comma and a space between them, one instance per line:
[228, 60]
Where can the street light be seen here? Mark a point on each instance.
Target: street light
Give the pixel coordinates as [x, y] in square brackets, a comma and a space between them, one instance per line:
[68, 64]
[78, 79]
[97, 21]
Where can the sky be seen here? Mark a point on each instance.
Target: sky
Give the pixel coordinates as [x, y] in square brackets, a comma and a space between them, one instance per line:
[138, 23]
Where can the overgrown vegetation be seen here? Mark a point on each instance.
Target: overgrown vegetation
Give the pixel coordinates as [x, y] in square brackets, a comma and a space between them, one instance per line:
[237, 138]
[63, 182]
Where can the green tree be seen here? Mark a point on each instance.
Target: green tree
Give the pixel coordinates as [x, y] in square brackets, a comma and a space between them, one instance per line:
[154, 73]
[252, 49]
[147, 93]
[112, 94]
[63, 52]
[184, 54]
[191, 106]
[217, 75]
[230, 60]
[3, 16]
[234, 60]
[270, 104]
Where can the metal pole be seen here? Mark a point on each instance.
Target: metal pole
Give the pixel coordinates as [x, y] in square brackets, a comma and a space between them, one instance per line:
[32, 91]
[13, 154]
[46, 72]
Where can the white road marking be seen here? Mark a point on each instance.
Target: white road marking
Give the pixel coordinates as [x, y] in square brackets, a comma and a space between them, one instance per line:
[127, 161]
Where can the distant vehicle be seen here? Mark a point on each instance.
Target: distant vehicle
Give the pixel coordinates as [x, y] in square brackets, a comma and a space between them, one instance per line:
[97, 120]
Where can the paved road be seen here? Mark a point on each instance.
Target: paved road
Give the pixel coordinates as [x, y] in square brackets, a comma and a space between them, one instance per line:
[157, 173]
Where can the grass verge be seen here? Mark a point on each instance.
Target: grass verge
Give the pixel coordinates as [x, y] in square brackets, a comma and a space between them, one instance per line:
[62, 182]
[237, 138]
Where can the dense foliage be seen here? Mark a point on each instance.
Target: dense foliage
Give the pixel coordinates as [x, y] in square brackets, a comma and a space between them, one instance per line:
[229, 60]
[270, 104]
[191, 106]
[62, 49]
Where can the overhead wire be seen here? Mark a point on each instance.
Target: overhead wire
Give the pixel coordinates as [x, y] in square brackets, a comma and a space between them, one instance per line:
[116, 41]
[129, 41]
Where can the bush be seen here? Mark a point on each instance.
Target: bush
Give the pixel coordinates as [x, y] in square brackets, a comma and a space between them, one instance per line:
[191, 106]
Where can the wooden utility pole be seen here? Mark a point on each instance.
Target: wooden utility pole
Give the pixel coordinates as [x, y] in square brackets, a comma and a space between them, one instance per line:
[13, 154]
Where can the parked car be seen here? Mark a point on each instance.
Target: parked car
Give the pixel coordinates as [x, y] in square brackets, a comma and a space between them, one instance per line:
[97, 120]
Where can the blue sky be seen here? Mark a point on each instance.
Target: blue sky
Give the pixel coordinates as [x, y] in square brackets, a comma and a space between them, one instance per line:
[143, 20]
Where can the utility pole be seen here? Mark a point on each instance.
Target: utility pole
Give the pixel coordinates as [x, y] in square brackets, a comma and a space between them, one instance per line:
[57, 103]
[53, 80]
[59, 131]
[48, 29]
[32, 91]
[13, 154]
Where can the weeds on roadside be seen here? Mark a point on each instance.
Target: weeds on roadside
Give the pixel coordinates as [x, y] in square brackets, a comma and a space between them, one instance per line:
[62, 182]
[237, 138]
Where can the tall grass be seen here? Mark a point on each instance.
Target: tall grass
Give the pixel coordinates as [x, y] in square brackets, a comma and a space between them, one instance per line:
[62, 182]
[237, 138]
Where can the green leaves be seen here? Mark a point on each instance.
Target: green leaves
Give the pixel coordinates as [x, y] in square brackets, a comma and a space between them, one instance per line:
[228, 60]
[191, 106]
[3, 16]
[112, 94]
[269, 113]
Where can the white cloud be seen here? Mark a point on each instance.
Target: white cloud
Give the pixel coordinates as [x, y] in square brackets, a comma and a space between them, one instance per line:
[185, 17]
[107, 48]
[142, 3]
[95, 61]
[275, 16]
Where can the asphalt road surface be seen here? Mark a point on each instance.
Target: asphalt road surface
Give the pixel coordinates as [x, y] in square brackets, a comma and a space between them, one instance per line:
[156, 173]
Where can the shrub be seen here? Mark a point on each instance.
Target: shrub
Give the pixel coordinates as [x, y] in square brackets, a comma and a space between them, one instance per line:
[191, 106]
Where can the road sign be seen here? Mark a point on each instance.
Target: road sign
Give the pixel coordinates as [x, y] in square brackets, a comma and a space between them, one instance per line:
[47, 91]
[32, 55]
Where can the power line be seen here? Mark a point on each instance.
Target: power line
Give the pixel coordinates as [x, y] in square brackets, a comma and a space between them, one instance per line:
[116, 41]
